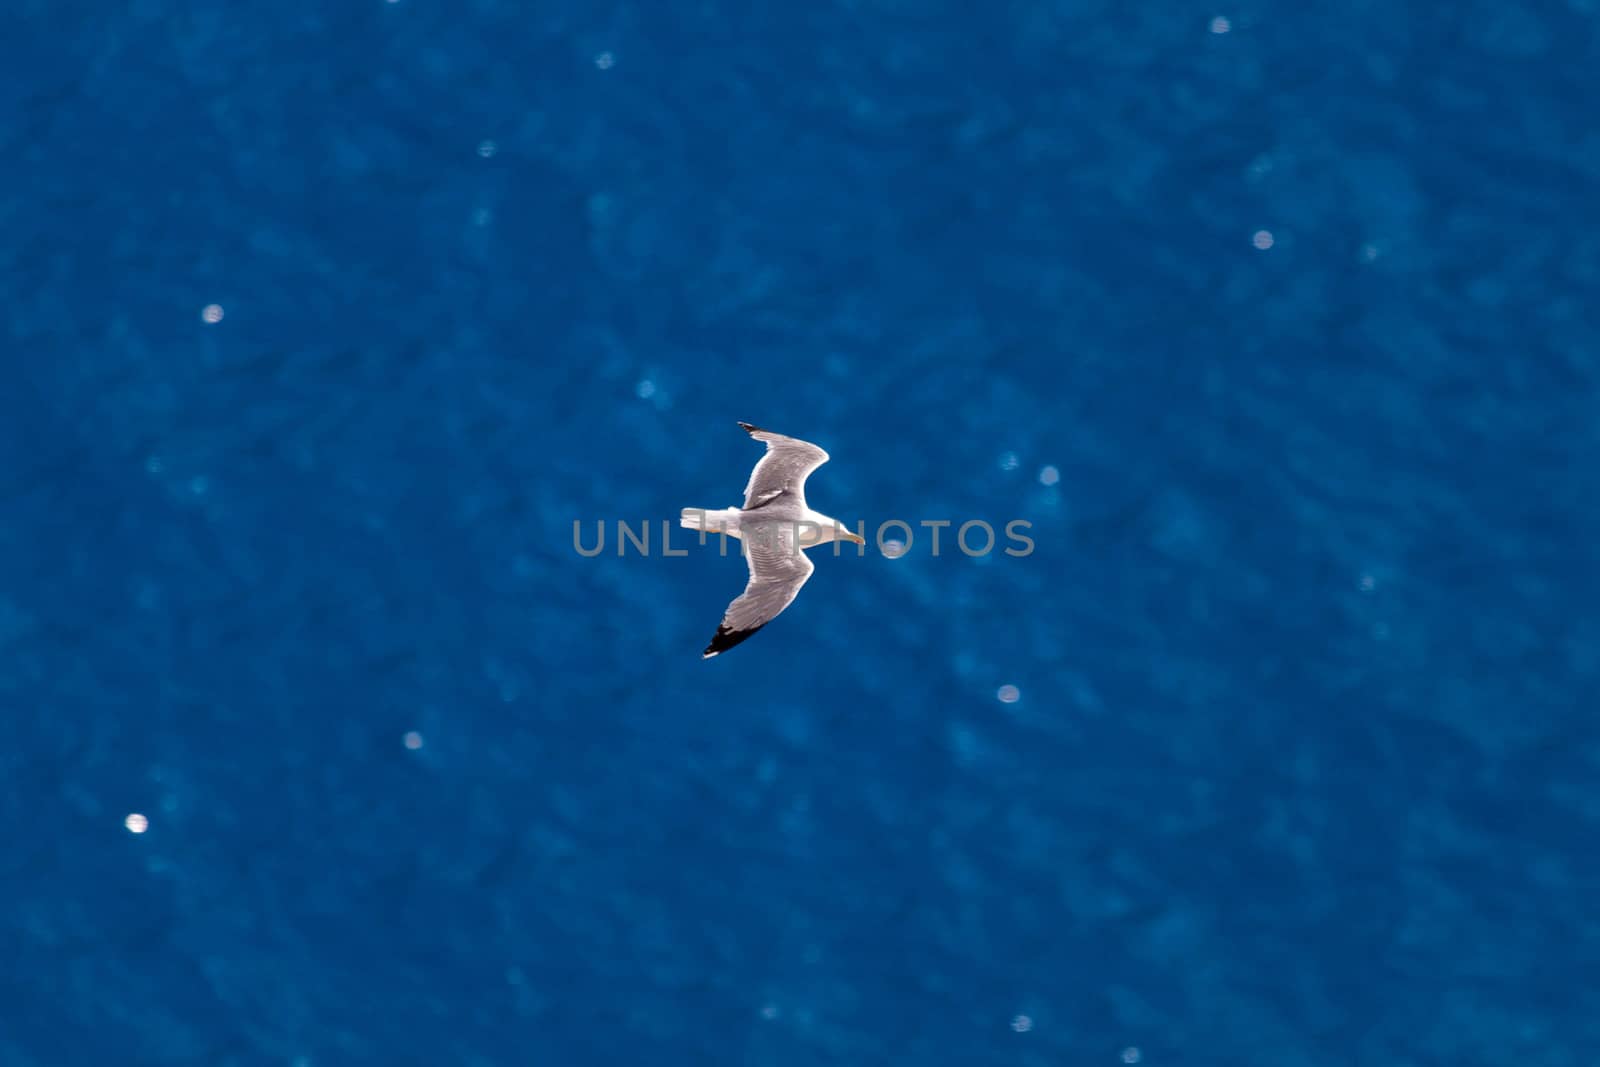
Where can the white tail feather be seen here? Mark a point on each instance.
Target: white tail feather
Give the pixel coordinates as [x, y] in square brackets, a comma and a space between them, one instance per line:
[711, 520]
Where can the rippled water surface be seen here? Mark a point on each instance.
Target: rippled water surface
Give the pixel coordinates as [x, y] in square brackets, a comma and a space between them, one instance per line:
[323, 323]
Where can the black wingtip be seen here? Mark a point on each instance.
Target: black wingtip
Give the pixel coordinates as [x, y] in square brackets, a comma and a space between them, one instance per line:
[726, 639]
[747, 428]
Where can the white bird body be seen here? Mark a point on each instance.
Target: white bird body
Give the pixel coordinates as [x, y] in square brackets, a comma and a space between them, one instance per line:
[727, 521]
[775, 526]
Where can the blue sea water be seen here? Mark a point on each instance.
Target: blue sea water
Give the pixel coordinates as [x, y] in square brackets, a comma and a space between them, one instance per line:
[1277, 323]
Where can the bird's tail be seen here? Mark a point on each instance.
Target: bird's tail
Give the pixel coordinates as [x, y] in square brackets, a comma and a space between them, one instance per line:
[711, 520]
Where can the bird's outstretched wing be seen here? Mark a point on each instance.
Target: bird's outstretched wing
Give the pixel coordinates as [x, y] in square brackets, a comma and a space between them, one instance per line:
[777, 571]
[783, 470]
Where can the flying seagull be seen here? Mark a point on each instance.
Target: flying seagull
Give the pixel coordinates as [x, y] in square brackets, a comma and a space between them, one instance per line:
[775, 525]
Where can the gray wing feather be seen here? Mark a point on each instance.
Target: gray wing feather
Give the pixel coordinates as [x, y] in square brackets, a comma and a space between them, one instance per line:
[784, 469]
[777, 571]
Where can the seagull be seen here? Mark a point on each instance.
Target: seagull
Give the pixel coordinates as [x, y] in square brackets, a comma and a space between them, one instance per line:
[774, 526]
